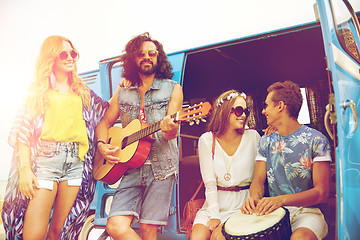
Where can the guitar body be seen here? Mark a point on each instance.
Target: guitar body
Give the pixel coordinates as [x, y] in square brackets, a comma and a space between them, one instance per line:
[132, 156]
[135, 141]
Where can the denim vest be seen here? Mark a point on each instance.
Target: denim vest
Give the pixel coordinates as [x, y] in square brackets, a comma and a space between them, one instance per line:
[164, 153]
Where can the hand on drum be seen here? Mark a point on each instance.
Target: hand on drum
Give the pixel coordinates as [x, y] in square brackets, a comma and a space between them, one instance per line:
[261, 207]
[267, 204]
[249, 206]
[212, 224]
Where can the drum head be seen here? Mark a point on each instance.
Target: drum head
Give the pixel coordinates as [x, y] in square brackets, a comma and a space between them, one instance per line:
[241, 224]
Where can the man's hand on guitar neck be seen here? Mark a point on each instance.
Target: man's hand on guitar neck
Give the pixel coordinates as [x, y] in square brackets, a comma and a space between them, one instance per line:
[108, 152]
[169, 128]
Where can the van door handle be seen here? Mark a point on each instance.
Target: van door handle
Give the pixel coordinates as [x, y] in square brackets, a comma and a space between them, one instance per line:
[330, 115]
[351, 104]
[326, 121]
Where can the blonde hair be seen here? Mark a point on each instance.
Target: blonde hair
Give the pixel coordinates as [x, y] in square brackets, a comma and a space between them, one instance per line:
[38, 91]
[221, 111]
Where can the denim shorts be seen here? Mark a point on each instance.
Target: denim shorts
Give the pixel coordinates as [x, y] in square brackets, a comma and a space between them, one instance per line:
[139, 195]
[57, 162]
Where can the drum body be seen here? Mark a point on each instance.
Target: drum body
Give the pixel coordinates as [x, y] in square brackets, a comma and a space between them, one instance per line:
[273, 226]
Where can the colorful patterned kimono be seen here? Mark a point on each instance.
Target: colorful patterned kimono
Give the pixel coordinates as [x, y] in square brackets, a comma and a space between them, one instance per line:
[27, 130]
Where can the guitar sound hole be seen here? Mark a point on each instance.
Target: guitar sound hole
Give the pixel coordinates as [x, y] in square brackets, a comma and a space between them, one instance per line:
[124, 143]
[109, 141]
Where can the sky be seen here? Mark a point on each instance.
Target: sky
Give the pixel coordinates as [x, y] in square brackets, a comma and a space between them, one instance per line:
[100, 30]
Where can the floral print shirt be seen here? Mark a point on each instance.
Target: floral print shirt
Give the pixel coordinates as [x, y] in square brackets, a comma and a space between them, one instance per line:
[289, 159]
[27, 129]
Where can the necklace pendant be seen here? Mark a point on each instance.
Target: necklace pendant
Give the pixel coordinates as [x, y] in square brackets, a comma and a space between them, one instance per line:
[227, 176]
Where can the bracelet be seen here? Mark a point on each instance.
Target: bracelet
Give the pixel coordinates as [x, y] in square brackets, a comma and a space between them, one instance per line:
[22, 167]
[100, 141]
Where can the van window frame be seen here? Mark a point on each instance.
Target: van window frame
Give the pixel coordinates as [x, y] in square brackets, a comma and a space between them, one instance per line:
[354, 19]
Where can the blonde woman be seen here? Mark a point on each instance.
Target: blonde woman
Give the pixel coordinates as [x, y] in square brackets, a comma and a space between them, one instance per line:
[228, 173]
[52, 137]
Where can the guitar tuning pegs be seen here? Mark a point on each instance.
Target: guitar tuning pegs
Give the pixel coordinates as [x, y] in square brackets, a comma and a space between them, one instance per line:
[191, 123]
[203, 119]
[197, 121]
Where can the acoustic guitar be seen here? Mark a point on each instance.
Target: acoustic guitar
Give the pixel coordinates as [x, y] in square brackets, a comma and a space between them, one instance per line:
[135, 141]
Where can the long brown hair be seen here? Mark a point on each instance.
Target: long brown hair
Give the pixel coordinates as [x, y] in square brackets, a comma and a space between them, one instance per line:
[130, 72]
[38, 91]
[221, 111]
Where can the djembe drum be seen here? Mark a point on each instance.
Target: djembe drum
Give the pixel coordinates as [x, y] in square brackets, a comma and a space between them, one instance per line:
[273, 226]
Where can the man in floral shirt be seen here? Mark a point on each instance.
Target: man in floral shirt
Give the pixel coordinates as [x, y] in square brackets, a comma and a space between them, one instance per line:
[296, 161]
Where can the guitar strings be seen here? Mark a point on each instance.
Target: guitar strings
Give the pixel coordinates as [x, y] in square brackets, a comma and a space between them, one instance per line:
[145, 132]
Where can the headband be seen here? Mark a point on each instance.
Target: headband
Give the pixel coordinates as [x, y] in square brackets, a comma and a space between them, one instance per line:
[230, 96]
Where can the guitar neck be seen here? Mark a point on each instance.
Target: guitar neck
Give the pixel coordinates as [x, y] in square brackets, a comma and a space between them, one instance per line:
[144, 132]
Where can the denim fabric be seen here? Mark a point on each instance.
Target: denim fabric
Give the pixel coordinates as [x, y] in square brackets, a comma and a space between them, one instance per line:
[164, 153]
[139, 195]
[27, 129]
[59, 161]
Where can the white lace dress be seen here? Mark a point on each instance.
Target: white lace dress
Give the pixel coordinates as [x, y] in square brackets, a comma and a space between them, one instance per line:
[222, 204]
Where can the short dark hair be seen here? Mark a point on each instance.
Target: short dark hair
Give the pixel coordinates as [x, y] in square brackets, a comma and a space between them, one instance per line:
[290, 94]
[163, 70]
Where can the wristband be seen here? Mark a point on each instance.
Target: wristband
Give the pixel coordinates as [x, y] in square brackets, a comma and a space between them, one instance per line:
[100, 141]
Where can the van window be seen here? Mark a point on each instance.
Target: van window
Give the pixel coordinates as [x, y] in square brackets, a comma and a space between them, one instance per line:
[347, 28]
[304, 116]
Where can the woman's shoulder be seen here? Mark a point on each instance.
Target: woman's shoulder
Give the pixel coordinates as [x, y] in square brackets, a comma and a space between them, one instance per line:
[206, 140]
[253, 134]
[206, 136]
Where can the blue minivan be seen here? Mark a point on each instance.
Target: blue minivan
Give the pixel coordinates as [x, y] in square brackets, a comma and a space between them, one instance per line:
[322, 57]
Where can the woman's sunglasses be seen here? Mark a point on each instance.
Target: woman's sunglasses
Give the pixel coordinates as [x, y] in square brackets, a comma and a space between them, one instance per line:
[150, 53]
[239, 110]
[64, 55]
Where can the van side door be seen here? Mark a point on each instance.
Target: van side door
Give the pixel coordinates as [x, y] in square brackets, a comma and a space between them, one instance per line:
[340, 29]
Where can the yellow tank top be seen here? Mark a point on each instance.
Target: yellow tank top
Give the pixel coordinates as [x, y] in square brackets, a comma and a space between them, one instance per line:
[63, 121]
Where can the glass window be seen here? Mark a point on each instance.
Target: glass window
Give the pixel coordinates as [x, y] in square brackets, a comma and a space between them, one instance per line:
[347, 28]
[304, 115]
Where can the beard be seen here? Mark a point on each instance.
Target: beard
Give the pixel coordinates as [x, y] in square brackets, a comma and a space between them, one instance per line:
[147, 70]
